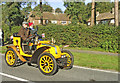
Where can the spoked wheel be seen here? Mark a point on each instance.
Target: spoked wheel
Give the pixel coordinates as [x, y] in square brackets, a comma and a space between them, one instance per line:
[47, 64]
[11, 57]
[70, 59]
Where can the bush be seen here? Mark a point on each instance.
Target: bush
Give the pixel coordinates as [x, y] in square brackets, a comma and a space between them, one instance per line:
[100, 36]
[8, 33]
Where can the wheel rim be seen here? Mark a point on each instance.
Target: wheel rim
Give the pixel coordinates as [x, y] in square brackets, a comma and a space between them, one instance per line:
[46, 64]
[10, 57]
[69, 59]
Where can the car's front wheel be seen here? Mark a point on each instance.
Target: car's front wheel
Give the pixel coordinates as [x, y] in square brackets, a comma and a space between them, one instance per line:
[47, 64]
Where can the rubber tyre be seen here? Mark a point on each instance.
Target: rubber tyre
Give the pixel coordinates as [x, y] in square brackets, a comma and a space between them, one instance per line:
[72, 59]
[55, 68]
[15, 62]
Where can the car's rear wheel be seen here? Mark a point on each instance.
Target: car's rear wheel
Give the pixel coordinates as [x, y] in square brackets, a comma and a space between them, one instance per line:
[70, 59]
[11, 57]
[47, 64]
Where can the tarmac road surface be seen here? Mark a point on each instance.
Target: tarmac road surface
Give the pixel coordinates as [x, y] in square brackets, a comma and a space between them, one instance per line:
[30, 73]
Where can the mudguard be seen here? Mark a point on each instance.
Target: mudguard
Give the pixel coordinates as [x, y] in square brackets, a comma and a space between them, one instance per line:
[37, 53]
[18, 54]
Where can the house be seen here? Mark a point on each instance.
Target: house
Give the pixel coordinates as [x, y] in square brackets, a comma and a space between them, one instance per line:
[103, 18]
[49, 17]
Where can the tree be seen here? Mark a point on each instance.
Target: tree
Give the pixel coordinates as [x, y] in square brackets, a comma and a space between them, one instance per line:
[14, 16]
[45, 8]
[116, 13]
[76, 11]
[93, 13]
[41, 12]
[103, 7]
[58, 10]
[26, 10]
[100, 7]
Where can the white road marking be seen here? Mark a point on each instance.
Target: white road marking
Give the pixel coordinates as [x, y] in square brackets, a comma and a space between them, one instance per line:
[96, 69]
[14, 77]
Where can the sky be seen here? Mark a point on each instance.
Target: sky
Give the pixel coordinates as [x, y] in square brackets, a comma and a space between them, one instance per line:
[60, 3]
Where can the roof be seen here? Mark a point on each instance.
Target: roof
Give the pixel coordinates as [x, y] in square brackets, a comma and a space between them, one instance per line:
[104, 16]
[51, 16]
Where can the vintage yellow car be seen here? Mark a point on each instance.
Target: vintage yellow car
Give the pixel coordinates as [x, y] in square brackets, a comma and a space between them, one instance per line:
[48, 57]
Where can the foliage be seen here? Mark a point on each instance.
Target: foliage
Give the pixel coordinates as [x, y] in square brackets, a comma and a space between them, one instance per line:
[100, 36]
[58, 10]
[26, 10]
[14, 16]
[101, 7]
[76, 11]
[82, 36]
[45, 8]
[79, 12]
[8, 33]
[104, 6]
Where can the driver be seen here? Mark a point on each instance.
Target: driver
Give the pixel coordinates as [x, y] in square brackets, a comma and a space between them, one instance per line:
[24, 32]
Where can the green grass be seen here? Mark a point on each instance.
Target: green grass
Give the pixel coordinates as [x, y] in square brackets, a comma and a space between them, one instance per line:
[99, 61]
[88, 49]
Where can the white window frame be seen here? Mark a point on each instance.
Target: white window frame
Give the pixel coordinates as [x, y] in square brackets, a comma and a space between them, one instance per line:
[63, 22]
[39, 21]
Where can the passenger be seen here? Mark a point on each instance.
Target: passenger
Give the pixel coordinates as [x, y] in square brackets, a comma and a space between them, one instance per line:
[31, 25]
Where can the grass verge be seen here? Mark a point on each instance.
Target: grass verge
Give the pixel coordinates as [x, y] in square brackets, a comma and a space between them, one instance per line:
[99, 61]
[88, 49]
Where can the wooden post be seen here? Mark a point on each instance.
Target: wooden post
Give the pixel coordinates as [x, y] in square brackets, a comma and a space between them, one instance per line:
[93, 13]
[116, 13]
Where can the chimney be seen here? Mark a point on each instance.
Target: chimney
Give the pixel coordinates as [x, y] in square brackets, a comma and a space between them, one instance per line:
[97, 14]
[113, 10]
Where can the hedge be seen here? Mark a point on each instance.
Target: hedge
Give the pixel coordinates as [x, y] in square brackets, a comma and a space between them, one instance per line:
[100, 36]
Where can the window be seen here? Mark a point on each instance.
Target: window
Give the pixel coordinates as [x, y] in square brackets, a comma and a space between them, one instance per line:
[104, 21]
[39, 21]
[112, 21]
[63, 22]
[46, 21]
[88, 23]
[54, 21]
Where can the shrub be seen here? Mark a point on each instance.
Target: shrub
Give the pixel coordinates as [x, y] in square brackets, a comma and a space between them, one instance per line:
[100, 36]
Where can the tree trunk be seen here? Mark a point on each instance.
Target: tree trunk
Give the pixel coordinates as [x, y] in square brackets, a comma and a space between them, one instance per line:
[93, 13]
[41, 18]
[116, 13]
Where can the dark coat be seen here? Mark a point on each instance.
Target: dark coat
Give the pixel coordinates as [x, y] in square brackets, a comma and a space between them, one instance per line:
[24, 33]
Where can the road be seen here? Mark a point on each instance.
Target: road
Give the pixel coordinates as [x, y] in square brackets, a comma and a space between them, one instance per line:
[31, 73]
